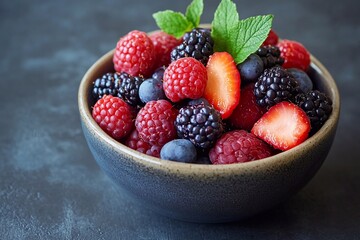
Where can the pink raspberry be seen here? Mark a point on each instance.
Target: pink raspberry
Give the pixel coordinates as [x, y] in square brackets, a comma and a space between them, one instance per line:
[163, 44]
[155, 122]
[114, 116]
[134, 54]
[135, 142]
[238, 146]
[185, 78]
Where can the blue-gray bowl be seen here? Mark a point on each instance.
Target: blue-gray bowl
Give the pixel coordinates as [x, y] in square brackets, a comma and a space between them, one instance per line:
[208, 193]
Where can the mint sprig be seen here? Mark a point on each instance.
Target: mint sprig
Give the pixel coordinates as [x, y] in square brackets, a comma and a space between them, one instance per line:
[176, 23]
[252, 33]
[240, 38]
[173, 23]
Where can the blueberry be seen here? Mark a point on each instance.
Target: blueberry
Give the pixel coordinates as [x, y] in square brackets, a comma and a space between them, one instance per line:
[159, 73]
[151, 89]
[179, 150]
[251, 69]
[305, 83]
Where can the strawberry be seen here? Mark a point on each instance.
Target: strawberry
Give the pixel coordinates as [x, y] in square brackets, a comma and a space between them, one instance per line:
[223, 86]
[284, 126]
[295, 55]
[247, 112]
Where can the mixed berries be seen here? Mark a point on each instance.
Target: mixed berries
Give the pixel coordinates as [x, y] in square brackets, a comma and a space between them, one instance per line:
[179, 99]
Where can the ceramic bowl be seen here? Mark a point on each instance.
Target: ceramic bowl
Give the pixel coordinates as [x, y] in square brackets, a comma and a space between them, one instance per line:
[208, 193]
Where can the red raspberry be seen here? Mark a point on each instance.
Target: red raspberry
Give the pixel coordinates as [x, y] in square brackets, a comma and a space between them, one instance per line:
[185, 78]
[134, 54]
[163, 44]
[295, 55]
[155, 122]
[114, 116]
[247, 112]
[239, 146]
[135, 142]
[272, 39]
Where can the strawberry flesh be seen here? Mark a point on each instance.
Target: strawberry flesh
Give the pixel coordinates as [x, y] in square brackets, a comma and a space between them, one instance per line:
[223, 85]
[283, 126]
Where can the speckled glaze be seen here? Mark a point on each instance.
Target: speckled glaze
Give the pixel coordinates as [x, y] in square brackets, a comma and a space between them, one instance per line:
[208, 193]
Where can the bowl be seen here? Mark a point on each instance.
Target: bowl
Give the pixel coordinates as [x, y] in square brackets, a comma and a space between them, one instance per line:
[208, 193]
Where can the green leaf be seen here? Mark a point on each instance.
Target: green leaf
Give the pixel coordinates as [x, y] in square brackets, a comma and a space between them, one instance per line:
[224, 25]
[239, 38]
[194, 11]
[173, 23]
[252, 32]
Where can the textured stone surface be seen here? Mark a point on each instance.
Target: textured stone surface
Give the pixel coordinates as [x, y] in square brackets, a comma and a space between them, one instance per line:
[51, 187]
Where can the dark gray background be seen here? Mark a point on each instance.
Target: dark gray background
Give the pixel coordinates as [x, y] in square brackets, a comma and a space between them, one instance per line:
[51, 187]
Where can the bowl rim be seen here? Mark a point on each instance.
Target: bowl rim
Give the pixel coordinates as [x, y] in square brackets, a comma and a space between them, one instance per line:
[193, 168]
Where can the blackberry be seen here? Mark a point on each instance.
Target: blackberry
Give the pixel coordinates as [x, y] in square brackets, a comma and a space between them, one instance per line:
[105, 85]
[275, 85]
[201, 124]
[197, 44]
[128, 89]
[270, 55]
[316, 105]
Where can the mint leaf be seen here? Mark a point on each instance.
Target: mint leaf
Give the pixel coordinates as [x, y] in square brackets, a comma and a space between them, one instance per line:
[194, 11]
[224, 25]
[251, 34]
[173, 23]
[239, 38]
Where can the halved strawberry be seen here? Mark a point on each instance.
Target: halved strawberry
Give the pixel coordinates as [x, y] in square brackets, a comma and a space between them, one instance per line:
[223, 85]
[284, 126]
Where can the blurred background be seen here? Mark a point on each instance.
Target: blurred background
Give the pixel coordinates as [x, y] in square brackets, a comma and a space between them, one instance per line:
[51, 187]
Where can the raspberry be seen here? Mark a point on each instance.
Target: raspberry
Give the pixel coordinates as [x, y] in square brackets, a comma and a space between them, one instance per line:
[185, 78]
[155, 122]
[163, 44]
[134, 54]
[239, 146]
[135, 142]
[114, 116]
[247, 112]
[272, 38]
[295, 55]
